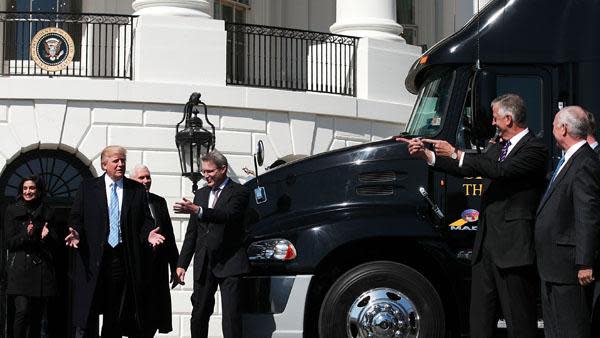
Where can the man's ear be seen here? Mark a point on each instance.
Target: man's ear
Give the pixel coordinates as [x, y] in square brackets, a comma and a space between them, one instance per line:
[510, 122]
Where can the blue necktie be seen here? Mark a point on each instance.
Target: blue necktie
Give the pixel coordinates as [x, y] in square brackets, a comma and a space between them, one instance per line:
[114, 216]
[554, 174]
[504, 151]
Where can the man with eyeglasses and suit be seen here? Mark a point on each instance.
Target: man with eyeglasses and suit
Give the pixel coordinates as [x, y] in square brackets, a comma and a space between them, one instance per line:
[215, 235]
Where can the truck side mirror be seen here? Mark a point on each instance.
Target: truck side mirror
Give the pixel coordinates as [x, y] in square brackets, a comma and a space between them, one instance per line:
[260, 153]
[483, 88]
[260, 195]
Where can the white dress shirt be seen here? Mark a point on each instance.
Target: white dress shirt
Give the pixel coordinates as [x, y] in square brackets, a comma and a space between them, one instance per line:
[212, 195]
[570, 153]
[108, 186]
[513, 141]
[108, 182]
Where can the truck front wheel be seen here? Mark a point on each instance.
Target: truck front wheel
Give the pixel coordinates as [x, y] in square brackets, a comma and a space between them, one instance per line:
[381, 299]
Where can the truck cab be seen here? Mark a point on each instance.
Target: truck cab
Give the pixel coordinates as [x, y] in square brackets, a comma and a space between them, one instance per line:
[367, 241]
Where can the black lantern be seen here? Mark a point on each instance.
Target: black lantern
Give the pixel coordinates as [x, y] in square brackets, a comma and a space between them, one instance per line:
[193, 141]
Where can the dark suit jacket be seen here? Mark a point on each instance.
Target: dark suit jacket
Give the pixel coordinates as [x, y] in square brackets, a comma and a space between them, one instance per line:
[567, 225]
[89, 216]
[509, 202]
[162, 259]
[597, 149]
[217, 239]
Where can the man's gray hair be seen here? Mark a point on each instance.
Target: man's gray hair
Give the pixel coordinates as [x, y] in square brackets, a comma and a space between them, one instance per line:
[215, 157]
[514, 105]
[576, 121]
[591, 123]
[139, 167]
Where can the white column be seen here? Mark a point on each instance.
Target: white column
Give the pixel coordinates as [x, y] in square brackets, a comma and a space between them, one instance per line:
[369, 19]
[383, 58]
[177, 41]
[202, 8]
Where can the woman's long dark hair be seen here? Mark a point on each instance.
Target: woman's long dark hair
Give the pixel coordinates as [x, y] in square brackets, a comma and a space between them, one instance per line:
[39, 185]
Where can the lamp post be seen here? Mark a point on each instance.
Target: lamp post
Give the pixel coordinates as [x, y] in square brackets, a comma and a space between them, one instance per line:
[193, 141]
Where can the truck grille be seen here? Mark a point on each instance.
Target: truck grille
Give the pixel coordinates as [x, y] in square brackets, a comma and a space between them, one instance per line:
[375, 190]
[377, 177]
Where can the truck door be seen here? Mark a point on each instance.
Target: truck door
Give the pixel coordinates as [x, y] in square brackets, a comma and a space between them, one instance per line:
[463, 195]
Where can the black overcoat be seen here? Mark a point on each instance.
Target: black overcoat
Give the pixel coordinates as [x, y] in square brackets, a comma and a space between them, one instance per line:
[162, 260]
[89, 216]
[30, 268]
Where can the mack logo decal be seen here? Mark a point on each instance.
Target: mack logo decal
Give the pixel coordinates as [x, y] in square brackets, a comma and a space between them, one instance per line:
[467, 216]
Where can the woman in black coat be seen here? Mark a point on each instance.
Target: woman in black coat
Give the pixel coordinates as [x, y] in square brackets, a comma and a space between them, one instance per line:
[30, 239]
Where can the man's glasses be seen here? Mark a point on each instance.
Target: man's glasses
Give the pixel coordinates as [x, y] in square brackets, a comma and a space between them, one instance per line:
[208, 171]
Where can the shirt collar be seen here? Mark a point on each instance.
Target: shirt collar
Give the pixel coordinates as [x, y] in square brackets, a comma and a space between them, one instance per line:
[573, 149]
[222, 185]
[594, 145]
[515, 139]
[108, 181]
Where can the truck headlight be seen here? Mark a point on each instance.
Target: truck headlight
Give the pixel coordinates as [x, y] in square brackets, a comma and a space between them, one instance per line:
[271, 250]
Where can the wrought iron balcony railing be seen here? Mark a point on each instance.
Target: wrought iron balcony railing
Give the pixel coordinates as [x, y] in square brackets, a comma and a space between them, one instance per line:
[66, 44]
[272, 57]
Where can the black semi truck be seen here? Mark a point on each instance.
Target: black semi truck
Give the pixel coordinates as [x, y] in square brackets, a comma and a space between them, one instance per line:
[366, 241]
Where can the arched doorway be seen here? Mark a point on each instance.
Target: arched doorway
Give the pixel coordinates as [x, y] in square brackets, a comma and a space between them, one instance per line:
[62, 173]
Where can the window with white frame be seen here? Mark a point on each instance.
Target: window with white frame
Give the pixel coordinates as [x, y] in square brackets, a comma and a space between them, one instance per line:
[58, 6]
[405, 15]
[24, 30]
[231, 10]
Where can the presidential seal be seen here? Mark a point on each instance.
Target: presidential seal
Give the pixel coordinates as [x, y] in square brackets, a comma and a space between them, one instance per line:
[52, 49]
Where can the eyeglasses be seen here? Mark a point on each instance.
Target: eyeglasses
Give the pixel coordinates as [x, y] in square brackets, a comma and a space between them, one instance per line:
[209, 171]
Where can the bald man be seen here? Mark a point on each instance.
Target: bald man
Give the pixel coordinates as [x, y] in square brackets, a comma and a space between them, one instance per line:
[161, 260]
[567, 229]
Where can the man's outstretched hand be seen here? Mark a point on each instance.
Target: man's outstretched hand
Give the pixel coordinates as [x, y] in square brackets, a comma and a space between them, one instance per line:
[154, 238]
[441, 147]
[72, 238]
[416, 147]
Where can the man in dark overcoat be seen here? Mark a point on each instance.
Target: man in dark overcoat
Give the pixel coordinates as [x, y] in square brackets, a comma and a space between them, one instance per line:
[110, 225]
[161, 260]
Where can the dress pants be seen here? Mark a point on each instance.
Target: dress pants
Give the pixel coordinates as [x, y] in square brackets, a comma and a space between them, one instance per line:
[511, 289]
[203, 303]
[28, 316]
[566, 311]
[108, 297]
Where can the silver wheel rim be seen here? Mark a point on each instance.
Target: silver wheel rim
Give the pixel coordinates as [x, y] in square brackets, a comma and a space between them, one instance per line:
[383, 313]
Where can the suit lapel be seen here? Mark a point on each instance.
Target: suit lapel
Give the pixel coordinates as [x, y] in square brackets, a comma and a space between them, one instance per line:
[558, 179]
[204, 194]
[224, 195]
[101, 196]
[127, 197]
[519, 144]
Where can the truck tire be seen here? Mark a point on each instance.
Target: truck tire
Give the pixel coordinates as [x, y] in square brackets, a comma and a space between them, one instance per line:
[381, 299]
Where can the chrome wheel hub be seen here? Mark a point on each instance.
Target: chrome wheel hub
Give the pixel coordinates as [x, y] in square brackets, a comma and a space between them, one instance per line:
[382, 313]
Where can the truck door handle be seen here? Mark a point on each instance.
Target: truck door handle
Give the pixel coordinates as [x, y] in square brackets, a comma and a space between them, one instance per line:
[434, 206]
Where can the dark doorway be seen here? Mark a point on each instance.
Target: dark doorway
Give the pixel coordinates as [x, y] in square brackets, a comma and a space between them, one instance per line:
[62, 173]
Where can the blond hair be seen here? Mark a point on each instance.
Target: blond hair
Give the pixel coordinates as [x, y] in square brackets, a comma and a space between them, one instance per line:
[111, 150]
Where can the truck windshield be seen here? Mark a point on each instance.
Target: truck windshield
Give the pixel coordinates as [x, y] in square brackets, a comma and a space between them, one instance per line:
[430, 108]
